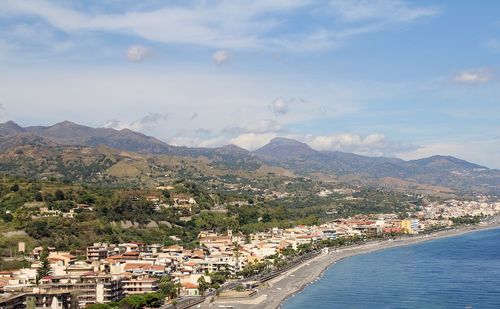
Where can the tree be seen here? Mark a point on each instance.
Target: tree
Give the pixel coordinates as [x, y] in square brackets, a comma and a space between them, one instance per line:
[236, 249]
[38, 196]
[240, 288]
[133, 302]
[202, 285]
[44, 269]
[166, 193]
[217, 278]
[59, 195]
[7, 217]
[166, 287]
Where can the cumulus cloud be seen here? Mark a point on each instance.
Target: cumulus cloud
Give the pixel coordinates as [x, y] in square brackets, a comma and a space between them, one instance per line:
[221, 56]
[2, 111]
[146, 123]
[260, 126]
[137, 53]
[280, 106]
[466, 150]
[197, 142]
[474, 76]
[375, 144]
[252, 141]
[153, 118]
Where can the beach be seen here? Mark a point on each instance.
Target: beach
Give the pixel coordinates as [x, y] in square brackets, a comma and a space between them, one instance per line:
[293, 281]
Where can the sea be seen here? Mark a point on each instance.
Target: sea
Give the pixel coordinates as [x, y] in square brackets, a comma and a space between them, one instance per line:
[456, 272]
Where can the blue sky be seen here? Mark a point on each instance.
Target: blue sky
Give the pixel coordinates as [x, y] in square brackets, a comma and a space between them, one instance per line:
[382, 77]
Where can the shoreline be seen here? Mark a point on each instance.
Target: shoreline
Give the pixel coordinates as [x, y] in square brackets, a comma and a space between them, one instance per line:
[386, 244]
[293, 281]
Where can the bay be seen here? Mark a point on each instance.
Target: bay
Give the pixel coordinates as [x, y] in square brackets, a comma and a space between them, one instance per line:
[455, 272]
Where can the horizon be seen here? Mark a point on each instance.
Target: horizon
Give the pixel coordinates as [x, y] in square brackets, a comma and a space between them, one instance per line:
[231, 144]
[393, 78]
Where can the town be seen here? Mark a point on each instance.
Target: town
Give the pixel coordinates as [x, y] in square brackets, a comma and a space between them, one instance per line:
[109, 272]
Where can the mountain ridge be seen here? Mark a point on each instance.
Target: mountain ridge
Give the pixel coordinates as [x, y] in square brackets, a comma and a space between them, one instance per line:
[71, 133]
[295, 156]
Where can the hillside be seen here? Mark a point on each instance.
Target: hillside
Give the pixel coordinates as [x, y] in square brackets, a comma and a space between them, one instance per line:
[291, 156]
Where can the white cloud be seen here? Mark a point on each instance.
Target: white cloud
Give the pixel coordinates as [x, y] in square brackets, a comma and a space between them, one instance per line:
[222, 100]
[386, 11]
[198, 142]
[137, 53]
[483, 152]
[259, 127]
[222, 25]
[475, 76]
[146, 123]
[221, 57]
[2, 112]
[280, 106]
[374, 144]
[233, 24]
[252, 141]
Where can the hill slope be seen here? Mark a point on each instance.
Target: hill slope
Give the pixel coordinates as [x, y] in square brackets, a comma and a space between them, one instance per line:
[292, 156]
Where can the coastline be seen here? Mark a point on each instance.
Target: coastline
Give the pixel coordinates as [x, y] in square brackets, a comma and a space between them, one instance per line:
[295, 280]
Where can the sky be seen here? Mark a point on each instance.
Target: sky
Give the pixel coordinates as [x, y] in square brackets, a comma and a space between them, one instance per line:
[398, 78]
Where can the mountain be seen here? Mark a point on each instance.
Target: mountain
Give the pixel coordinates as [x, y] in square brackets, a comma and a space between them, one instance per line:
[440, 162]
[296, 155]
[10, 128]
[285, 149]
[69, 133]
[291, 156]
[31, 156]
[290, 152]
[436, 171]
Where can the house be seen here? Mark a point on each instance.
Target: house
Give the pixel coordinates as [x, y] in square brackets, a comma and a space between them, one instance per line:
[189, 289]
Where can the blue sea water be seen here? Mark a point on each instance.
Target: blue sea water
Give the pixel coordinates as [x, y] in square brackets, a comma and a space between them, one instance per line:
[456, 272]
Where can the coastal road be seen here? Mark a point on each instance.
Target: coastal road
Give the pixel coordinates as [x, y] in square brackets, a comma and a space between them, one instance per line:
[278, 288]
[292, 281]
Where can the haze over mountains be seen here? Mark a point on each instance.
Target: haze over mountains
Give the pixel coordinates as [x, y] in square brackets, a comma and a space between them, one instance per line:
[284, 153]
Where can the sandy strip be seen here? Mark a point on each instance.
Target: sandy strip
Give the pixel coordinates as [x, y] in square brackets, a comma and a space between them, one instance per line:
[296, 279]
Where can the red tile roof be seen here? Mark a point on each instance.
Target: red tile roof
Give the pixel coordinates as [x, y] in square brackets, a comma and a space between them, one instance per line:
[189, 285]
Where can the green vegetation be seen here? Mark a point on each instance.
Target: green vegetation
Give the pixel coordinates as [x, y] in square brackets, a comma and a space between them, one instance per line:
[150, 300]
[466, 220]
[71, 216]
[168, 288]
[44, 269]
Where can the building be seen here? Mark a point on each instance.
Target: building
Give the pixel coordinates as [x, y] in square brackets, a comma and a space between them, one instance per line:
[410, 226]
[98, 251]
[140, 285]
[190, 289]
[55, 300]
[92, 288]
